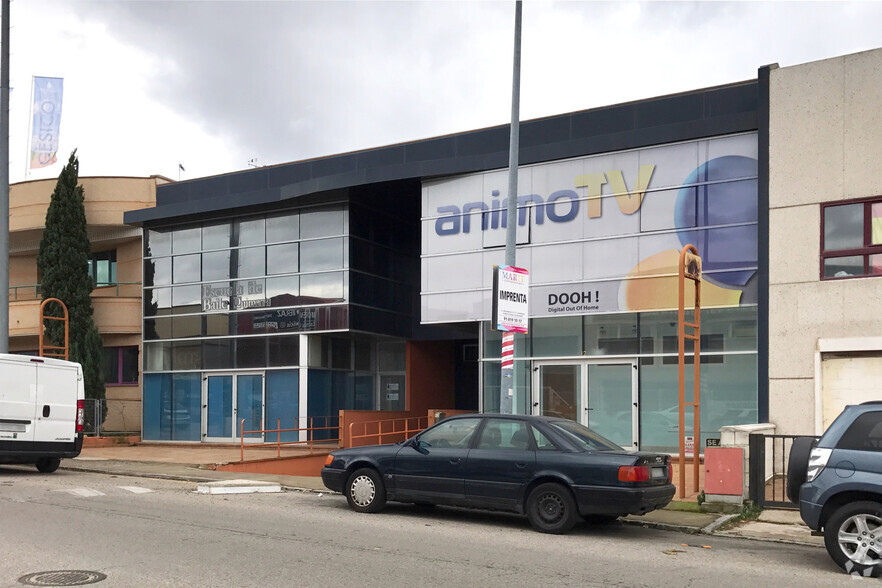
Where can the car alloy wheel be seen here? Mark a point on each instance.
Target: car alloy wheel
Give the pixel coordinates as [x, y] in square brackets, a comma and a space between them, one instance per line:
[363, 491]
[860, 538]
[853, 537]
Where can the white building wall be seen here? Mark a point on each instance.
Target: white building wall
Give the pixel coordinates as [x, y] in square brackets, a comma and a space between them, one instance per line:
[825, 144]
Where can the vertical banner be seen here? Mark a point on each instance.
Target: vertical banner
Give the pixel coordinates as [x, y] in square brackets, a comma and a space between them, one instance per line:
[46, 113]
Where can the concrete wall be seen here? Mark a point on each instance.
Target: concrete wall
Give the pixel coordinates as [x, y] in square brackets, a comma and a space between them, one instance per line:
[824, 145]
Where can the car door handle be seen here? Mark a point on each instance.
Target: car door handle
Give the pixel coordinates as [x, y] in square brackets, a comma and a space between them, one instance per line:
[520, 466]
[454, 460]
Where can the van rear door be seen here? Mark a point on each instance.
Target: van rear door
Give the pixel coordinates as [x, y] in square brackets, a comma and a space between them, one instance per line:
[57, 385]
[17, 399]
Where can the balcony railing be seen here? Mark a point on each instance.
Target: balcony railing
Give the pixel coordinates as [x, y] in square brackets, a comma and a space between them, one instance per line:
[32, 291]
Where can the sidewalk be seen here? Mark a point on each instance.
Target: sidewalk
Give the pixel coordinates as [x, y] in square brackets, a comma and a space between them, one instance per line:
[192, 463]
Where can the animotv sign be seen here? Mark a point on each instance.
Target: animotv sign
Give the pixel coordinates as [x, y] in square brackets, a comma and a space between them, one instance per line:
[561, 206]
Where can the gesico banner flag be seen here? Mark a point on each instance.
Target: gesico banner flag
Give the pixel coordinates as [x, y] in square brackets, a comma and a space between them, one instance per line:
[46, 121]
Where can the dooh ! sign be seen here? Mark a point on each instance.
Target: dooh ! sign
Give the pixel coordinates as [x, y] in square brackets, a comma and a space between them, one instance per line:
[511, 306]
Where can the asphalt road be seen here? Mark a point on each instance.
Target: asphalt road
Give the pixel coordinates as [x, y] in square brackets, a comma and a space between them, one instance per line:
[149, 532]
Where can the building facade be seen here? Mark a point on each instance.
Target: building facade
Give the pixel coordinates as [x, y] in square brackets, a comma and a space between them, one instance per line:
[825, 239]
[363, 280]
[116, 266]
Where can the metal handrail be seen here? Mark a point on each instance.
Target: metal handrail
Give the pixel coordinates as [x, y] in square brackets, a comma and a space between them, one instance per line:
[406, 431]
[279, 430]
[36, 288]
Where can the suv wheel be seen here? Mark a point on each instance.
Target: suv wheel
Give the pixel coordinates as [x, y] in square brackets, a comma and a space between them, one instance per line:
[853, 537]
[797, 466]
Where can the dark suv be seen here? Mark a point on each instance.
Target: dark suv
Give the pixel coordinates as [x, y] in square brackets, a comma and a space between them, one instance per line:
[837, 482]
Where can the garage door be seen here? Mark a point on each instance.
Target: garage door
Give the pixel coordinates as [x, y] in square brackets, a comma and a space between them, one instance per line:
[850, 379]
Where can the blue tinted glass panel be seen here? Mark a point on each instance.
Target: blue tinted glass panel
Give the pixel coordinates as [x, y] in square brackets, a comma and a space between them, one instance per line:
[220, 406]
[187, 414]
[157, 402]
[282, 403]
[249, 404]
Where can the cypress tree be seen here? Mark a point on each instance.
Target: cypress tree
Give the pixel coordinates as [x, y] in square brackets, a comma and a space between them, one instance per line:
[63, 265]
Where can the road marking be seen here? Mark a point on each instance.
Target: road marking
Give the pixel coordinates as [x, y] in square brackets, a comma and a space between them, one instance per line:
[82, 492]
[136, 489]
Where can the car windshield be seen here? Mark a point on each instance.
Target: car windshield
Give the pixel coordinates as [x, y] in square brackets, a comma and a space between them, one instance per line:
[584, 437]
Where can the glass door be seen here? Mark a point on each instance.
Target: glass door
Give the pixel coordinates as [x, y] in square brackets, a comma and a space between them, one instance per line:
[227, 400]
[558, 390]
[600, 394]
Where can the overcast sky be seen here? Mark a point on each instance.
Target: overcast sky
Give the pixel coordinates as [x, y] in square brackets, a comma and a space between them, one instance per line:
[213, 85]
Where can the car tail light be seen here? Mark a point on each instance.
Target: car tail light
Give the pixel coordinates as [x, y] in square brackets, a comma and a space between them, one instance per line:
[817, 462]
[670, 473]
[633, 474]
[329, 460]
[81, 415]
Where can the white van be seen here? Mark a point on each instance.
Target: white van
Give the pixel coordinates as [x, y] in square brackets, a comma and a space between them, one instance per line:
[41, 410]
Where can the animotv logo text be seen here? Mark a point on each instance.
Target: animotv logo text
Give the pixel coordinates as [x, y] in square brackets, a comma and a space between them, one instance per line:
[560, 207]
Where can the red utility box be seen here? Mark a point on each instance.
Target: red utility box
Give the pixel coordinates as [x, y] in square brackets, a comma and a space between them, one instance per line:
[724, 471]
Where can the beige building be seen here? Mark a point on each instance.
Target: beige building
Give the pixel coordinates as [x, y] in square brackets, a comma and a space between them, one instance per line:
[825, 239]
[115, 266]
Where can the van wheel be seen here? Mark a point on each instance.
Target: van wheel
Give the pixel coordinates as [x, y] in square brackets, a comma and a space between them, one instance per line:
[852, 536]
[47, 465]
[551, 509]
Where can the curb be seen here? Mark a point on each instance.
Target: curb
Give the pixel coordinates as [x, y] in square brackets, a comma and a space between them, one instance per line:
[663, 526]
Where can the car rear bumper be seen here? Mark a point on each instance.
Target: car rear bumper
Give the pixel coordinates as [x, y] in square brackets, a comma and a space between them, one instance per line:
[811, 504]
[622, 501]
[333, 479]
[26, 452]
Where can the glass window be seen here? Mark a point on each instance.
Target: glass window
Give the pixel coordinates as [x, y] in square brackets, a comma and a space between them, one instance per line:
[282, 259]
[157, 272]
[186, 299]
[250, 232]
[187, 268]
[121, 365]
[157, 356]
[864, 434]
[216, 236]
[364, 355]
[454, 434]
[843, 267]
[158, 243]
[321, 223]
[282, 228]
[341, 353]
[217, 354]
[102, 267]
[843, 227]
[558, 336]
[851, 244]
[250, 262]
[218, 325]
[284, 351]
[186, 355]
[250, 352]
[611, 334]
[186, 240]
[583, 437]
[321, 255]
[321, 288]
[504, 434]
[392, 356]
[283, 291]
[187, 326]
[216, 265]
[542, 442]
[157, 301]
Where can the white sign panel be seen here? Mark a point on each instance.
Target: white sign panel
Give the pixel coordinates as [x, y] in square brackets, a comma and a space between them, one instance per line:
[511, 288]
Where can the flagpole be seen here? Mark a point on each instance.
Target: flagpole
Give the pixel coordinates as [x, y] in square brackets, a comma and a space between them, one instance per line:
[30, 131]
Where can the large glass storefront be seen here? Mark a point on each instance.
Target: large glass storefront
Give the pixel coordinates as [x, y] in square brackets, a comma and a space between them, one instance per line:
[619, 373]
[246, 327]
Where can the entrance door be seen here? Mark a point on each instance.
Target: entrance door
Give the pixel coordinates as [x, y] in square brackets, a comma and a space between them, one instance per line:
[600, 394]
[227, 400]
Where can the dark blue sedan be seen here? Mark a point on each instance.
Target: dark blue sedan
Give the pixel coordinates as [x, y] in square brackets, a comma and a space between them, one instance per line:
[553, 470]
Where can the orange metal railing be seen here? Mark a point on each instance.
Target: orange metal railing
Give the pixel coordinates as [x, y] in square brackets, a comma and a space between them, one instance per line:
[399, 429]
[310, 440]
